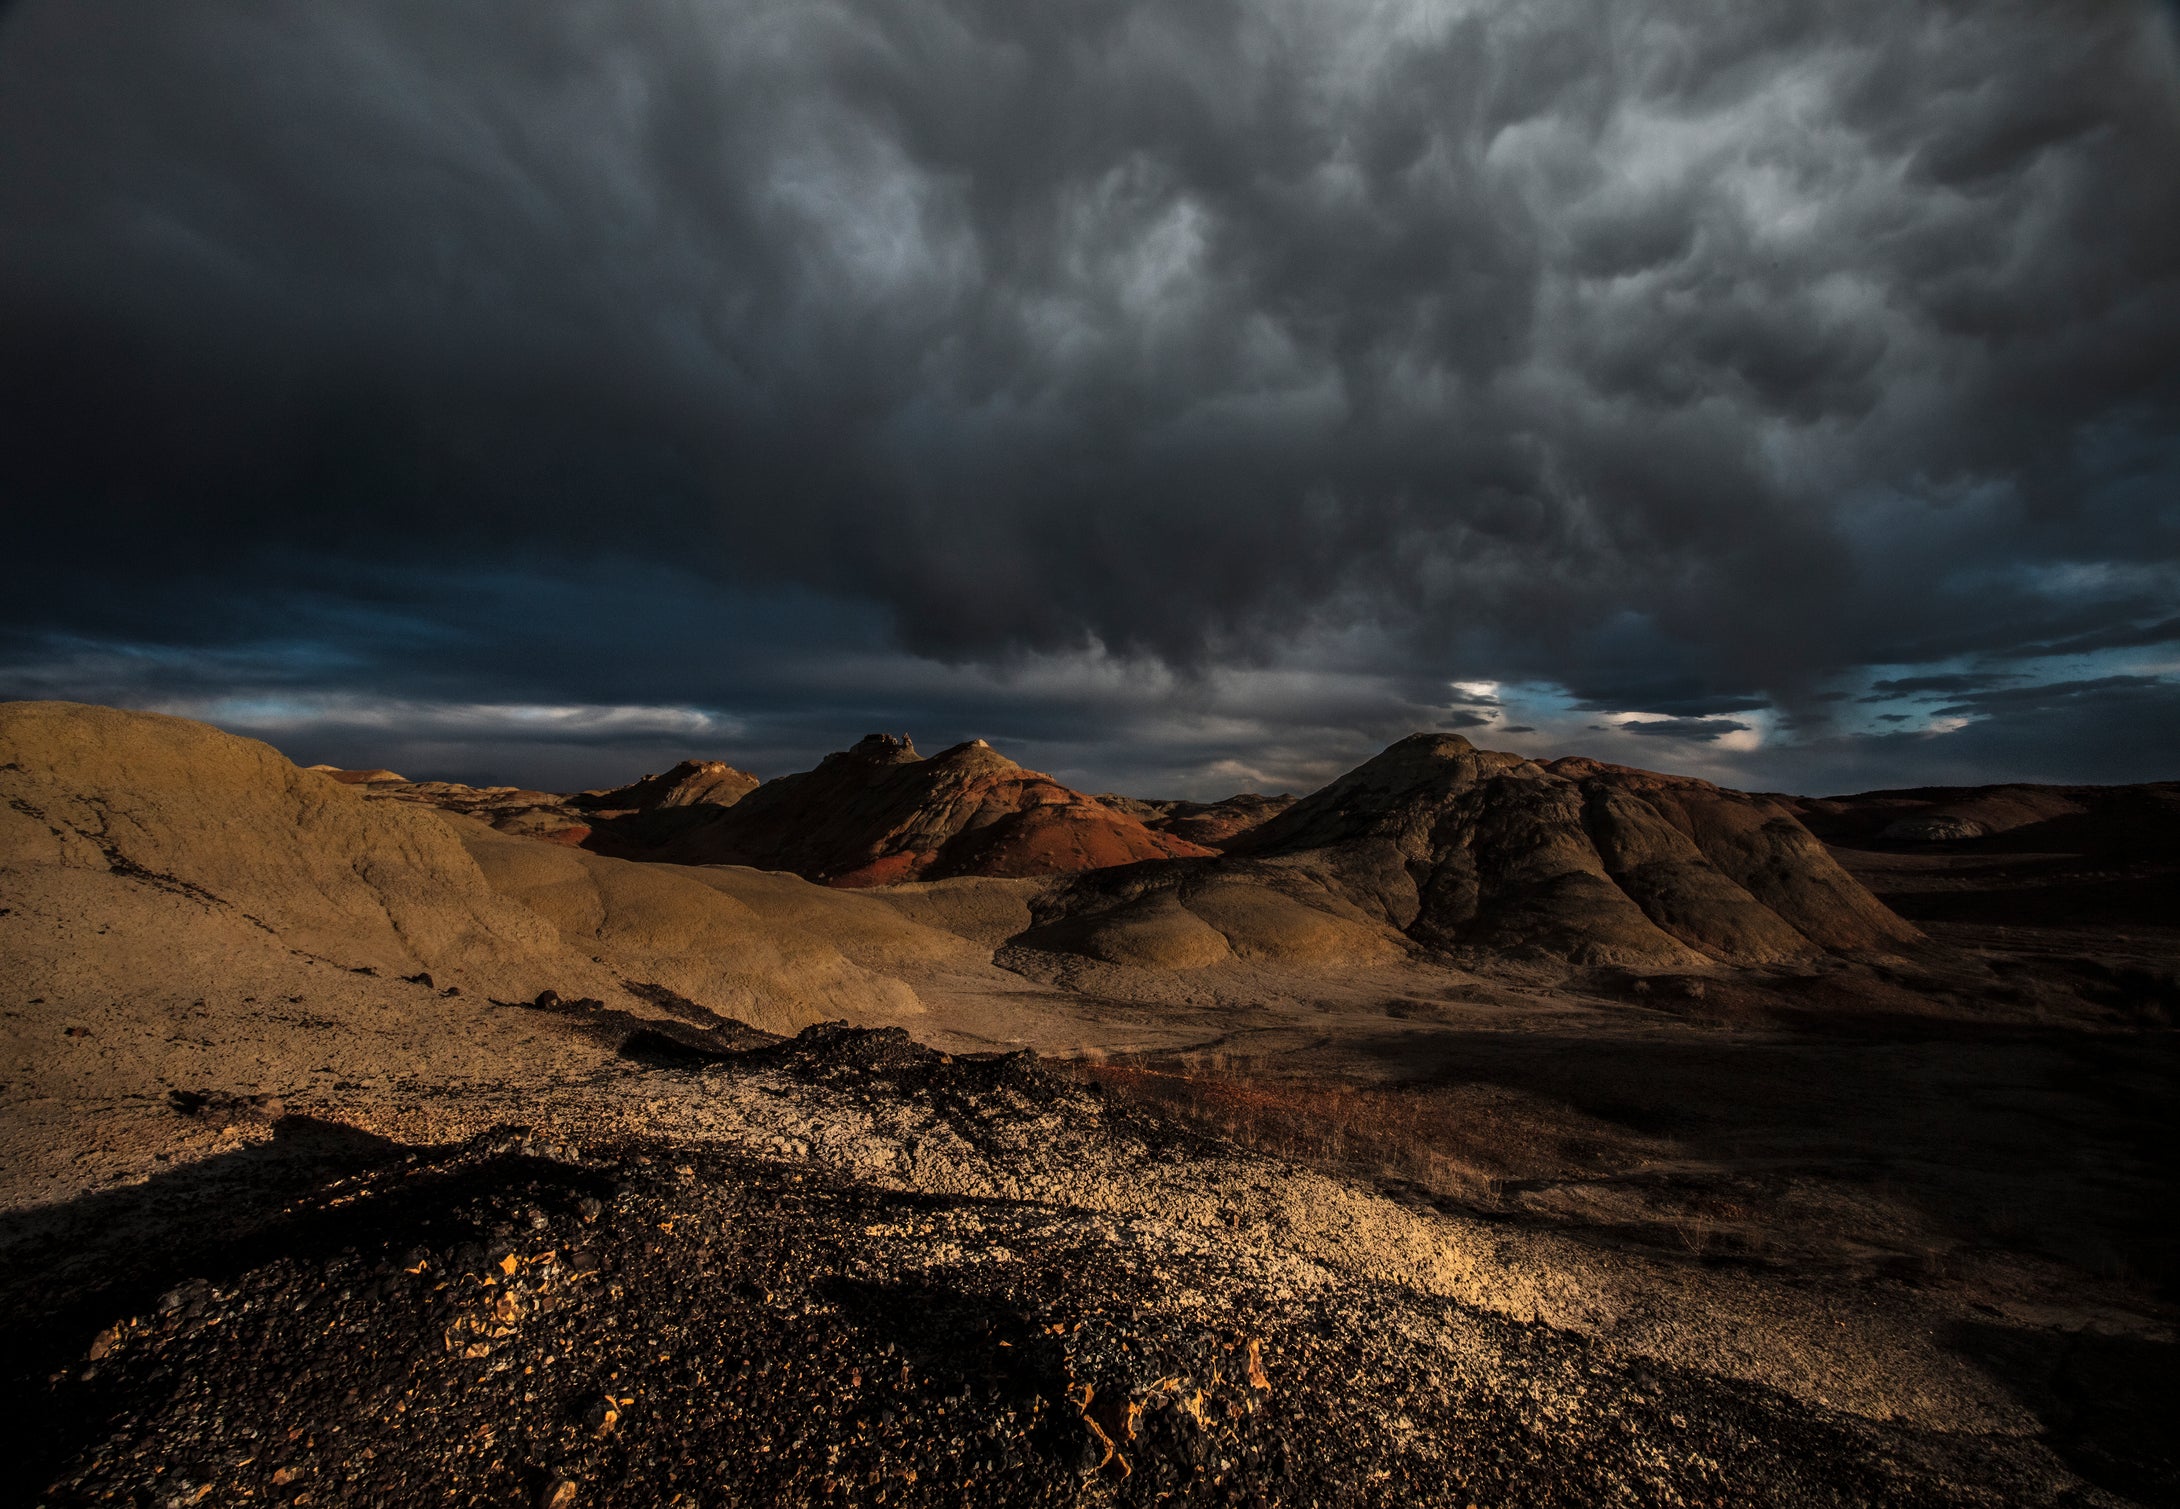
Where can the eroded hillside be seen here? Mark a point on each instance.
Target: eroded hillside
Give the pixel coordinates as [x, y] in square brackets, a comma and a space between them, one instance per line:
[1475, 1130]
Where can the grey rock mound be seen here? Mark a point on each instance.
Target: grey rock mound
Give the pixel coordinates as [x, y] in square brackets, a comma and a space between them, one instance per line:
[1468, 849]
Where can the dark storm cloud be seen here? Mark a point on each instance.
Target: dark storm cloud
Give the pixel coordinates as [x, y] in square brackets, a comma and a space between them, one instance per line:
[2114, 733]
[1942, 684]
[2050, 697]
[1684, 728]
[1681, 354]
[2117, 637]
[1680, 696]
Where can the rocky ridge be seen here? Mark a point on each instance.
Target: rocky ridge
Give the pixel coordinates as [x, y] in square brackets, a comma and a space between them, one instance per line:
[1467, 849]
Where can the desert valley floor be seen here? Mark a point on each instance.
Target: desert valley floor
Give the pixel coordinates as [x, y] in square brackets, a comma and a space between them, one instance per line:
[916, 1130]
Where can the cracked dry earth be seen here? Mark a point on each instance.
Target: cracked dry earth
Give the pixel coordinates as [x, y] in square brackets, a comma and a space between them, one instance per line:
[846, 1269]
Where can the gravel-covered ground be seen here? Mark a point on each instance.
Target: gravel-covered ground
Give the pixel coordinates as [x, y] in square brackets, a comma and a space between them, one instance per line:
[565, 1316]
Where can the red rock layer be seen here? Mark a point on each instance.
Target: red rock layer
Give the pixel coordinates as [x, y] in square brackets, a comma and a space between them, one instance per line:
[880, 813]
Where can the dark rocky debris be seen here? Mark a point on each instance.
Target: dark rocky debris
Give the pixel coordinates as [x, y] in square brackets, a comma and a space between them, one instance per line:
[518, 1320]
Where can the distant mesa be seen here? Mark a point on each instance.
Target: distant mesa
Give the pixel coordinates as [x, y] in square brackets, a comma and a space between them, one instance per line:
[1936, 828]
[2115, 824]
[880, 812]
[692, 783]
[579, 820]
[357, 777]
[510, 809]
[1211, 824]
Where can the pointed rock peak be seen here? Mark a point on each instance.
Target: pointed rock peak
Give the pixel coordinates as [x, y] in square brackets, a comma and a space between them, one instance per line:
[1418, 752]
[691, 783]
[885, 749]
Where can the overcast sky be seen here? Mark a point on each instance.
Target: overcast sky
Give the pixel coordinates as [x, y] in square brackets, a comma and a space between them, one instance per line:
[1186, 395]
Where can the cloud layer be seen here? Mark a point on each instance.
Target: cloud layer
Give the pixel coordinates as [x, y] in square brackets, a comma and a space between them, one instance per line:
[1074, 370]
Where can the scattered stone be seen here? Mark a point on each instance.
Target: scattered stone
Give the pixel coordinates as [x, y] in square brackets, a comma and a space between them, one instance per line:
[226, 1111]
[788, 1329]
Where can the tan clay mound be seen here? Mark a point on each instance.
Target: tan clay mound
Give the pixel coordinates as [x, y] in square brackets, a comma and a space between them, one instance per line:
[188, 910]
[1197, 916]
[185, 910]
[1150, 931]
[692, 783]
[1469, 849]
[771, 950]
[986, 910]
[167, 805]
[880, 813]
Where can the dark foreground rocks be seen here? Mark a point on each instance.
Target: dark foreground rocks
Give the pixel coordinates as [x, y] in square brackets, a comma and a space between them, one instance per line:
[531, 1319]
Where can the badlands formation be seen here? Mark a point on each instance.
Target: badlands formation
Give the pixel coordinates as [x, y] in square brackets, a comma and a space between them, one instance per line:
[880, 813]
[917, 1130]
